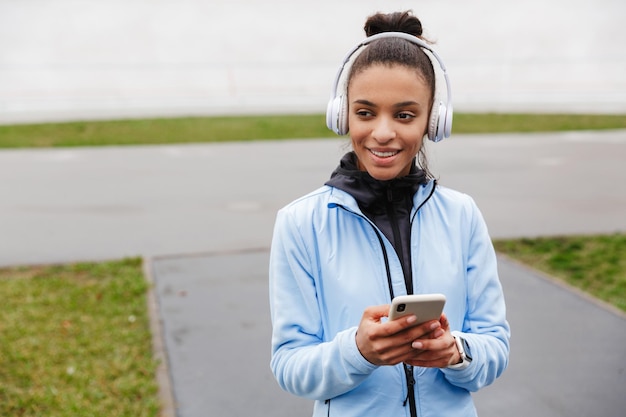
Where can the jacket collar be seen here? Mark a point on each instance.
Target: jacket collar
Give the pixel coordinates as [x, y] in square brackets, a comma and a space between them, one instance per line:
[352, 187]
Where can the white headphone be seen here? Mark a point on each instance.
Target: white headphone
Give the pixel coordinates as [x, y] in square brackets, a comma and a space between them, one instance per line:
[440, 119]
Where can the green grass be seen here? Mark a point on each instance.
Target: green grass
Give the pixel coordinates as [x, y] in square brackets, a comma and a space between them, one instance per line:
[244, 128]
[525, 123]
[163, 131]
[75, 341]
[595, 264]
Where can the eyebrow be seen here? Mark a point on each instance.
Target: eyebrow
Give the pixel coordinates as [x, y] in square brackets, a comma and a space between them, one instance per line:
[402, 104]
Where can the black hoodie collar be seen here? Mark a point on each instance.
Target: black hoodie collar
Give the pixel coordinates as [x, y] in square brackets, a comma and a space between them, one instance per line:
[370, 192]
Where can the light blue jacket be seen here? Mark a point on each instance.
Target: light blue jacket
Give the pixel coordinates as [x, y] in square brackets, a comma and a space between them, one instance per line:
[327, 265]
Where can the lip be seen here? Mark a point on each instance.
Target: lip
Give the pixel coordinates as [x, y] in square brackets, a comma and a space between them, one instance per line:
[383, 153]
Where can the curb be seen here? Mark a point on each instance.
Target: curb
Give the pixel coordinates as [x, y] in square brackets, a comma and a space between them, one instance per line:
[560, 283]
[163, 375]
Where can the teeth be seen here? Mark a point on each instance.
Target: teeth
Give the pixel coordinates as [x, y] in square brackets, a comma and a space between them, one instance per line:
[384, 154]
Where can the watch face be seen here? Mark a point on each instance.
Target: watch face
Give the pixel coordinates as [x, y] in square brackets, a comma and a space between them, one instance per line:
[467, 350]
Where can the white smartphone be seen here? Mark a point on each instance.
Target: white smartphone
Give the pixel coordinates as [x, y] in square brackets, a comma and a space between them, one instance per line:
[425, 307]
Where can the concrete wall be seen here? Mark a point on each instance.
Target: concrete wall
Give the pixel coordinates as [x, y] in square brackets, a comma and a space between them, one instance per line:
[74, 59]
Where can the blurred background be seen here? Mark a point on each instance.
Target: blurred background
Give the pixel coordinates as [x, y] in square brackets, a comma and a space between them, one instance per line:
[68, 60]
[88, 59]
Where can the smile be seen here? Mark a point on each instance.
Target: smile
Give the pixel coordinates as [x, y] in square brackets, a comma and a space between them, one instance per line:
[384, 154]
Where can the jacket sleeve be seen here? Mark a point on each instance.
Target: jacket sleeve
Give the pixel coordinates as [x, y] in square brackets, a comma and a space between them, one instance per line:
[303, 362]
[485, 326]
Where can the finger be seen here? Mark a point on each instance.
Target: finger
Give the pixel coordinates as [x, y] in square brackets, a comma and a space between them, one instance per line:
[445, 324]
[434, 363]
[435, 354]
[393, 327]
[373, 337]
[402, 337]
[428, 360]
[436, 341]
[431, 346]
[375, 313]
[426, 329]
[390, 343]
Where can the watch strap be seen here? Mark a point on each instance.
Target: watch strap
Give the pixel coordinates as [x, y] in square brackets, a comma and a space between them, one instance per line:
[465, 358]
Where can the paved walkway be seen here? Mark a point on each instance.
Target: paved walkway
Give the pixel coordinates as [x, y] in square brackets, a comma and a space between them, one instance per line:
[566, 357]
[203, 215]
[70, 204]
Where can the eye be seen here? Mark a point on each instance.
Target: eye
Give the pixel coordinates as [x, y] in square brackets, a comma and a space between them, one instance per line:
[405, 115]
[364, 113]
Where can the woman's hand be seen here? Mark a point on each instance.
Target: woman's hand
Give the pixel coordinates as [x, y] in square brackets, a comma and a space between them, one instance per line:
[438, 351]
[429, 344]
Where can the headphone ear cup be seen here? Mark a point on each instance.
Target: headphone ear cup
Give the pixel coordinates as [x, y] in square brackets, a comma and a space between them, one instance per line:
[337, 115]
[441, 123]
[448, 128]
[433, 121]
[342, 118]
[438, 123]
[331, 114]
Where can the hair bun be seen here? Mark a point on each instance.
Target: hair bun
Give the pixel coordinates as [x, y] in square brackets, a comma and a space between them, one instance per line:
[393, 22]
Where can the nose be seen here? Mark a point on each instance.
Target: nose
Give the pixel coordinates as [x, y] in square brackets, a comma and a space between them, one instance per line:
[384, 130]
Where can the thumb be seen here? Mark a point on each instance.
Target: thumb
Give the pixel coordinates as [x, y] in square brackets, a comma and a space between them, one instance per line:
[375, 313]
[445, 325]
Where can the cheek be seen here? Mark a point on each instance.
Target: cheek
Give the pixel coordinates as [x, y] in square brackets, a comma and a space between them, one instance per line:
[413, 143]
[353, 122]
[417, 145]
[357, 131]
[356, 142]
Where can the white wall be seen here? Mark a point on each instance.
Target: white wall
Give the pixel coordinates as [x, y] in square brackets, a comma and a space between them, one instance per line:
[72, 59]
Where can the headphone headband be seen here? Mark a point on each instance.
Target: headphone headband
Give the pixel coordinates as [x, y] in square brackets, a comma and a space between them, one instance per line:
[440, 121]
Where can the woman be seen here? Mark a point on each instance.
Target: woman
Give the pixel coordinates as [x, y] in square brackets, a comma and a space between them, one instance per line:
[379, 228]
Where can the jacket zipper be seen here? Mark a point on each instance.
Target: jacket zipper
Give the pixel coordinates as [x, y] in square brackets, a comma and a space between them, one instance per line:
[408, 369]
[393, 219]
[410, 392]
[408, 282]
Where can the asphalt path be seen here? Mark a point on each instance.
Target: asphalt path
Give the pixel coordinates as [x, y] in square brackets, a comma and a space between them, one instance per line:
[566, 354]
[60, 205]
[202, 216]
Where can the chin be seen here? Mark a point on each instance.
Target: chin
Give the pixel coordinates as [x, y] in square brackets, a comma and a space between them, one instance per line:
[383, 176]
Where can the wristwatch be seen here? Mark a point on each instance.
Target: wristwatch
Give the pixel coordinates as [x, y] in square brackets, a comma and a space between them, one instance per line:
[464, 350]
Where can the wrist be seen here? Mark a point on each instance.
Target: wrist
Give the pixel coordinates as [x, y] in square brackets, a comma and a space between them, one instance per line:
[464, 357]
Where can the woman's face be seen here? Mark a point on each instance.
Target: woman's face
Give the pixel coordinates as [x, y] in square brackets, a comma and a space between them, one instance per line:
[388, 114]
